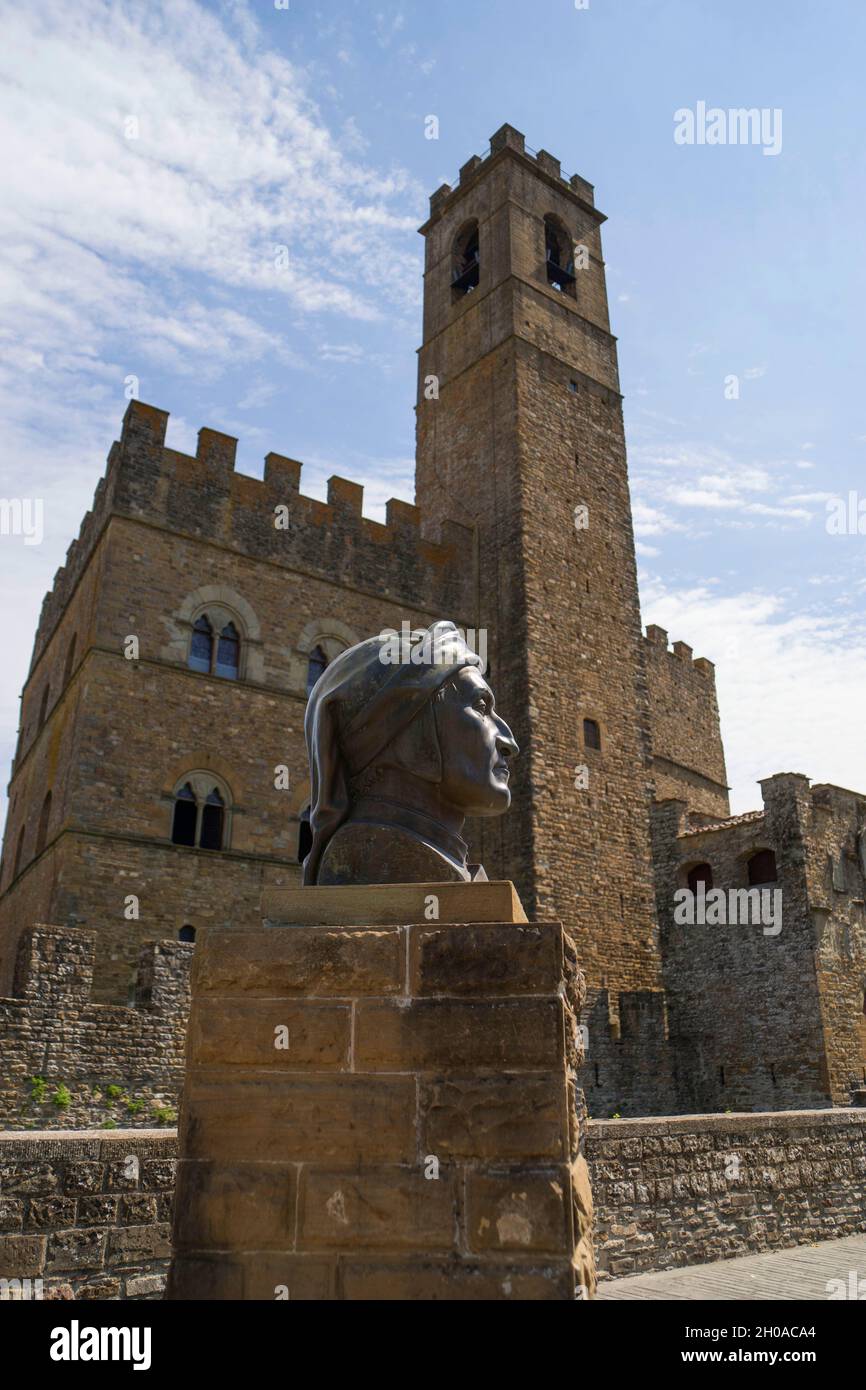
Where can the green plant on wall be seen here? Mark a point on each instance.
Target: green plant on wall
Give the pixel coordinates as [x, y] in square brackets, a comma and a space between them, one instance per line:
[38, 1089]
[62, 1097]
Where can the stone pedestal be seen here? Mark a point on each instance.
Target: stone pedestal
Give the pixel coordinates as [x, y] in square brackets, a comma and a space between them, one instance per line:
[385, 1109]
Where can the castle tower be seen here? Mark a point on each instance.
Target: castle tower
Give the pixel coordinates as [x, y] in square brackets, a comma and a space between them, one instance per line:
[519, 423]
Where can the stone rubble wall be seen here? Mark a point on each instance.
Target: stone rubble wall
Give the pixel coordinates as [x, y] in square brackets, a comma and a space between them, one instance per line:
[696, 1188]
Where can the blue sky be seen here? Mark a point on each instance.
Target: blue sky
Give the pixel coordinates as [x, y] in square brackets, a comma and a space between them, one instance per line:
[156, 155]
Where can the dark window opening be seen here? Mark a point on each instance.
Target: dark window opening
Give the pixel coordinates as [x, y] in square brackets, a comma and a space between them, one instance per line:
[45, 816]
[591, 734]
[43, 707]
[201, 646]
[467, 262]
[70, 660]
[597, 1077]
[722, 1075]
[558, 257]
[572, 386]
[316, 666]
[185, 817]
[305, 836]
[773, 1074]
[762, 868]
[701, 873]
[228, 653]
[212, 820]
[186, 933]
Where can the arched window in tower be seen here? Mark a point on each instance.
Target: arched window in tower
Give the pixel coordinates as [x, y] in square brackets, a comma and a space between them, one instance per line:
[591, 734]
[70, 660]
[762, 868]
[215, 646]
[701, 873]
[201, 646]
[316, 666]
[305, 835]
[200, 813]
[186, 933]
[466, 268]
[44, 818]
[183, 826]
[212, 821]
[43, 707]
[228, 653]
[559, 256]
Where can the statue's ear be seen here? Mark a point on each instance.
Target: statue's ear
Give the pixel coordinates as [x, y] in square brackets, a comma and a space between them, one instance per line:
[416, 750]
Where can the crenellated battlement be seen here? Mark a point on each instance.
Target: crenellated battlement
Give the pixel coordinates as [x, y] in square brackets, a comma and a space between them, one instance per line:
[657, 638]
[505, 139]
[202, 495]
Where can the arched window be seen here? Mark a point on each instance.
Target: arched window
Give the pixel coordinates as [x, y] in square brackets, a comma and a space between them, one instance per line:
[591, 734]
[43, 707]
[762, 868]
[215, 647]
[316, 665]
[559, 256]
[186, 933]
[305, 835]
[70, 661]
[228, 653]
[199, 817]
[466, 261]
[701, 873]
[201, 646]
[44, 817]
[19, 853]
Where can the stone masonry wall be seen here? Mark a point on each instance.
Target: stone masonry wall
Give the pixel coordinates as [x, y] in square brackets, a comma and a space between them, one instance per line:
[86, 1215]
[67, 1062]
[687, 753]
[697, 1188]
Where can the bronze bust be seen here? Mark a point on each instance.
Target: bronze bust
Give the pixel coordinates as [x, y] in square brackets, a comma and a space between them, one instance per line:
[403, 744]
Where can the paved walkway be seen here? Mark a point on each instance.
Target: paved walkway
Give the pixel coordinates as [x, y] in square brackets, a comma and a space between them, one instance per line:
[799, 1273]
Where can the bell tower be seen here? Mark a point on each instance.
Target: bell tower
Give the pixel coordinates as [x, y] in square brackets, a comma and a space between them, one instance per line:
[520, 436]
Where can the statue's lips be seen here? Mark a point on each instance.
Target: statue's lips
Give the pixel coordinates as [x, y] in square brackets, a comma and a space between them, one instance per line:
[502, 771]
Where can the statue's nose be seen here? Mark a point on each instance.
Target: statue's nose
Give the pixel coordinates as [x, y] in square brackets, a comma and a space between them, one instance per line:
[506, 743]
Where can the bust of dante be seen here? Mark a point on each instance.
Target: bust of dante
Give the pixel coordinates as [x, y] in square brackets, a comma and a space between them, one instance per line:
[404, 743]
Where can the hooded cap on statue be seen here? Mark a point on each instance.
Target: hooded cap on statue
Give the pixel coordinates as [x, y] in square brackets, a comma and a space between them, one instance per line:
[366, 697]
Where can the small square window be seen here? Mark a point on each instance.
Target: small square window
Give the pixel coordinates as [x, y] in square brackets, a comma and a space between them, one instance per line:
[572, 386]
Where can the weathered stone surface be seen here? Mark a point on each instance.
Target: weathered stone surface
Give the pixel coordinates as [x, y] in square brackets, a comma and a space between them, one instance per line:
[304, 961]
[382, 1208]
[137, 1244]
[438, 1034]
[76, 1249]
[433, 1280]
[21, 1256]
[486, 960]
[236, 1206]
[521, 1211]
[345, 1119]
[241, 1032]
[504, 1118]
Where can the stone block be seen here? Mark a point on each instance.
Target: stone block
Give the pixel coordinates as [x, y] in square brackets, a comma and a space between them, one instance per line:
[279, 1035]
[305, 961]
[508, 1118]
[76, 1249]
[382, 1208]
[486, 960]
[523, 1211]
[240, 1206]
[453, 1034]
[21, 1257]
[433, 1280]
[327, 1119]
[135, 1244]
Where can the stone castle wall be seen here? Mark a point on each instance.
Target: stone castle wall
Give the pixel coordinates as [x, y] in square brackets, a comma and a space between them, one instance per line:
[708, 1187]
[68, 1063]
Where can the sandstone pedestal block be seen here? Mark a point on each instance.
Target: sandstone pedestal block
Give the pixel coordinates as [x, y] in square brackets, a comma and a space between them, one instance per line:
[386, 1108]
